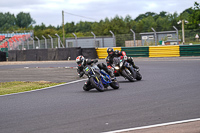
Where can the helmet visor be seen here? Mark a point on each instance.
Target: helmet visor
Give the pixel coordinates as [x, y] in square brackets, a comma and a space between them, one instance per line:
[79, 62]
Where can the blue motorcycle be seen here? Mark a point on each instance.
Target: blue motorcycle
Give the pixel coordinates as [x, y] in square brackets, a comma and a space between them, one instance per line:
[99, 79]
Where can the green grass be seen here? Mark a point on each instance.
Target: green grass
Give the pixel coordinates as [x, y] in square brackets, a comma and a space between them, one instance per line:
[22, 86]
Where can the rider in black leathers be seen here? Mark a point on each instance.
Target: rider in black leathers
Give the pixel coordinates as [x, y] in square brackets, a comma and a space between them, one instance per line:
[117, 53]
[82, 62]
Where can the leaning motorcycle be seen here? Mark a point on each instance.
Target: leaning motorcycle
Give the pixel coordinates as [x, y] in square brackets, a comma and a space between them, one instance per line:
[99, 79]
[125, 69]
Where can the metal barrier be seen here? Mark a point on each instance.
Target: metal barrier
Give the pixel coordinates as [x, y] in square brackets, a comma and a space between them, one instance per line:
[164, 51]
[136, 51]
[190, 50]
[102, 52]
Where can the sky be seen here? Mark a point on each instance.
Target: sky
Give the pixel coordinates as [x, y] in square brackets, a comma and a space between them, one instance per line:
[49, 12]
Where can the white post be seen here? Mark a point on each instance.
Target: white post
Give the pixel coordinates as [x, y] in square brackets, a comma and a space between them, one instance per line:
[155, 36]
[133, 36]
[183, 32]
[45, 41]
[75, 39]
[114, 44]
[51, 41]
[58, 40]
[94, 39]
[38, 41]
[33, 42]
[177, 34]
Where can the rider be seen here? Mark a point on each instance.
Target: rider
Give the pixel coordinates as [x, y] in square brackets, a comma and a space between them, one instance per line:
[82, 62]
[117, 53]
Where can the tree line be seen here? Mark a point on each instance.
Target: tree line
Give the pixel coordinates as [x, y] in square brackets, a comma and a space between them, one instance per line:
[162, 21]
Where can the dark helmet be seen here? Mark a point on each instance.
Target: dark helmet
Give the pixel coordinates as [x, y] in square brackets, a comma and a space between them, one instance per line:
[117, 52]
[110, 51]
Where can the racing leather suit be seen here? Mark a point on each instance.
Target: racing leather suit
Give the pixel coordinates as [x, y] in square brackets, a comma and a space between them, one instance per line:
[120, 54]
[89, 62]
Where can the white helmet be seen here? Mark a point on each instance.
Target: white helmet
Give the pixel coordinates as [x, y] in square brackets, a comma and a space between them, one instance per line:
[79, 60]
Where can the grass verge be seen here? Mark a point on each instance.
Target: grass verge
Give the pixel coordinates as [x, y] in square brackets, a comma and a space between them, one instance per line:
[22, 86]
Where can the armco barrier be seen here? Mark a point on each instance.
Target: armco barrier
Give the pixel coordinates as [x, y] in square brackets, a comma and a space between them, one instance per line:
[164, 51]
[190, 50]
[102, 52]
[136, 51]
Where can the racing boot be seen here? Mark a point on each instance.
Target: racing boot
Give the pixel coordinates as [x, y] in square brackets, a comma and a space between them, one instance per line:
[130, 60]
[87, 86]
[134, 66]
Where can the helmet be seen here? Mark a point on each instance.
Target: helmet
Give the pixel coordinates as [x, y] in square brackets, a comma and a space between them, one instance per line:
[117, 52]
[110, 51]
[79, 60]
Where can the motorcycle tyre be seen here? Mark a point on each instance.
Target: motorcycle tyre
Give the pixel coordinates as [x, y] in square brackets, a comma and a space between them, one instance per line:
[114, 85]
[86, 89]
[124, 73]
[95, 86]
[138, 76]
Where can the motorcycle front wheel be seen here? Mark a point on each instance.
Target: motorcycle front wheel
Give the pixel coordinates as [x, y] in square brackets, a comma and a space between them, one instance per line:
[97, 84]
[138, 75]
[127, 74]
[114, 85]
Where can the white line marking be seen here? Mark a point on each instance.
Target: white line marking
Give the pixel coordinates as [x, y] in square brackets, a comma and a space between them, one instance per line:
[152, 126]
[45, 88]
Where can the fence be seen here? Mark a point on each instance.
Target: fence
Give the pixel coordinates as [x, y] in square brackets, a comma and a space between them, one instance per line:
[34, 44]
[119, 40]
[123, 40]
[88, 42]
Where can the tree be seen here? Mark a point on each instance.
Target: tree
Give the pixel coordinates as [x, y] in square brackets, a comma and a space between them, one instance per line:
[194, 17]
[24, 20]
[149, 22]
[7, 21]
[147, 14]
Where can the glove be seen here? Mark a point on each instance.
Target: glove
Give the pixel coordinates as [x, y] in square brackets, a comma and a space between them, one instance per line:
[95, 61]
[81, 74]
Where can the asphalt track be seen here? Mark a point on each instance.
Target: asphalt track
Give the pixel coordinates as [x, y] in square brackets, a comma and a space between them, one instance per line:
[169, 92]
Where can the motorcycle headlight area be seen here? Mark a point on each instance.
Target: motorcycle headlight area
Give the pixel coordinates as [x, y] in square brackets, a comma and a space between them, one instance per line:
[121, 64]
[117, 68]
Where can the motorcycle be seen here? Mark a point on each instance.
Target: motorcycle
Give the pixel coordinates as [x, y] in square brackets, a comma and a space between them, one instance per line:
[98, 78]
[125, 69]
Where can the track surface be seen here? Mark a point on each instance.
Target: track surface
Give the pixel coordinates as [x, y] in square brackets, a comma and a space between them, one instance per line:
[169, 92]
